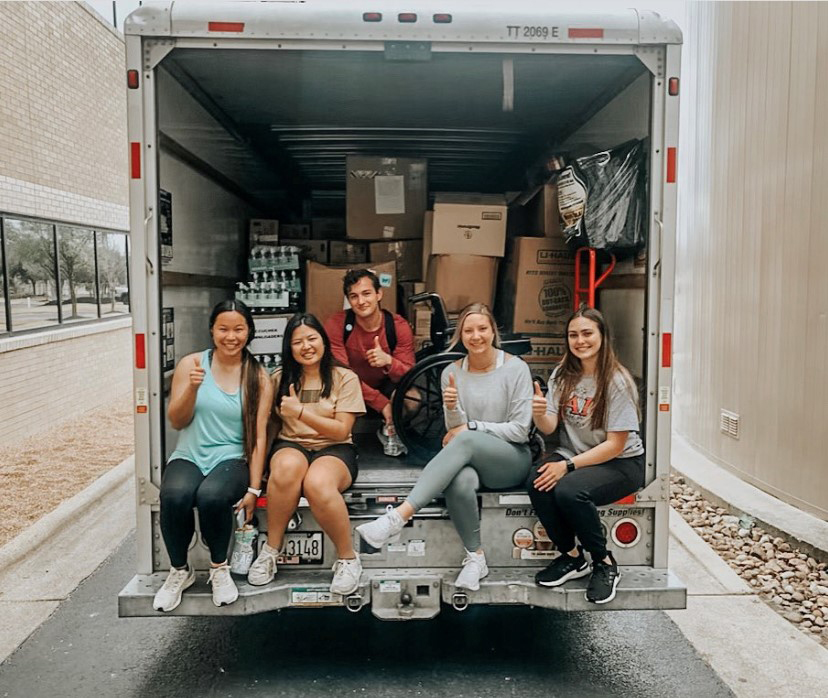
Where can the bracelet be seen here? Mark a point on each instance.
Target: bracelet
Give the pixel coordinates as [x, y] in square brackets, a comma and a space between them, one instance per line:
[253, 490]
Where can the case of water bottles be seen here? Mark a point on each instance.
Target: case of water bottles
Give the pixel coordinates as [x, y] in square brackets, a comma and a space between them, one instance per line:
[275, 282]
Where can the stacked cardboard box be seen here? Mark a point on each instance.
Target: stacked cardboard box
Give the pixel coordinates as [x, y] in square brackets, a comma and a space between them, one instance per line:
[325, 296]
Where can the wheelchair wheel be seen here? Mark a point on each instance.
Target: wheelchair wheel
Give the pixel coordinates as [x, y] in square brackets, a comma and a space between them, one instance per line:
[417, 407]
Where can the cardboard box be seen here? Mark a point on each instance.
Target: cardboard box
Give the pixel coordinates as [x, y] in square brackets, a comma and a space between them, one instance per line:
[462, 279]
[341, 252]
[428, 227]
[536, 295]
[263, 226]
[323, 284]
[296, 231]
[422, 321]
[547, 352]
[535, 213]
[327, 229]
[407, 253]
[473, 224]
[314, 250]
[385, 197]
[270, 331]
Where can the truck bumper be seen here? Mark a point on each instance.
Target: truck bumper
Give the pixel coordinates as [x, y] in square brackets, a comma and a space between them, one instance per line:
[406, 594]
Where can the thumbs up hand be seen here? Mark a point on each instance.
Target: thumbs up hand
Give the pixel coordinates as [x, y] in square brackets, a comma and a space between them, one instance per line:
[538, 402]
[450, 393]
[196, 374]
[376, 356]
[290, 406]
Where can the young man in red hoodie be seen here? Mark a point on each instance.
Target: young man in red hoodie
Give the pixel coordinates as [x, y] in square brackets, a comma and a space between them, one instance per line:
[374, 343]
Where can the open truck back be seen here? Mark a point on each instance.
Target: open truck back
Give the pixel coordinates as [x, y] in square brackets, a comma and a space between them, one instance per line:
[242, 110]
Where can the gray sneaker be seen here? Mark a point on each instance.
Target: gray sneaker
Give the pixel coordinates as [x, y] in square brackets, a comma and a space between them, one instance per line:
[224, 588]
[263, 569]
[379, 531]
[169, 595]
[346, 576]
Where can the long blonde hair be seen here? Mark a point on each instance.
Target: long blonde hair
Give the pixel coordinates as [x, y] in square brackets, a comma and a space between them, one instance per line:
[474, 309]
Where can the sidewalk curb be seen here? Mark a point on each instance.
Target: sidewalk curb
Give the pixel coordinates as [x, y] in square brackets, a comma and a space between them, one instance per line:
[65, 513]
[723, 488]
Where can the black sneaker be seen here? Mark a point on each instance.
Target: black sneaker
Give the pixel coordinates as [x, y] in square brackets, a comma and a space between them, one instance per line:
[603, 582]
[562, 569]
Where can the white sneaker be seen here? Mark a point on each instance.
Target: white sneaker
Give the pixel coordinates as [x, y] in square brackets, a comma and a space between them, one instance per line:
[224, 588]
[474, 569]
[346, 576]
[263, 569]
[169, 595]
[379, 531]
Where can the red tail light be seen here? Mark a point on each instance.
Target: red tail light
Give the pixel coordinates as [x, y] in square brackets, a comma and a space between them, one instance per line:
[442, 19]
[407, 17]
[140, 351]
[626, 533]
[673, 87]
[132, 79]
[372, 16]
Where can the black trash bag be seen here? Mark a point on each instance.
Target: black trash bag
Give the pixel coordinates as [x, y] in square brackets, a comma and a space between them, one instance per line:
[602, 199]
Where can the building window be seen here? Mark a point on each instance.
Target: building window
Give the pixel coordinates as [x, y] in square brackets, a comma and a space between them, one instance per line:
[78, 288]
[113, 279]
[53, 273]
[30, 249]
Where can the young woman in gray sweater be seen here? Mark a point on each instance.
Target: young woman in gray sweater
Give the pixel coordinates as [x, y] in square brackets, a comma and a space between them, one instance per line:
[487, 403]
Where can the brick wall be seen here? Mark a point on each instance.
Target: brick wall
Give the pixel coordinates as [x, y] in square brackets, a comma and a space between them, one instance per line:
[63, 151]
[56, 375]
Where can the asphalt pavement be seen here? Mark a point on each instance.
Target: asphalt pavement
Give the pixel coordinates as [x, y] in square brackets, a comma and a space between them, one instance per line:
[84, 649]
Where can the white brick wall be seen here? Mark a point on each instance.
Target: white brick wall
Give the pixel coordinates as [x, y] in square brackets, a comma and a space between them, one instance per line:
[47, 378]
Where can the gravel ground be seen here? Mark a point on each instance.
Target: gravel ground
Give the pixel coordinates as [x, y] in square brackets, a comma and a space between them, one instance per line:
[40, 472]
[793, 583]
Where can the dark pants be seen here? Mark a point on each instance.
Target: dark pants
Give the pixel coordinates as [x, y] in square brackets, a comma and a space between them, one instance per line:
[184, 487]
[570, 508]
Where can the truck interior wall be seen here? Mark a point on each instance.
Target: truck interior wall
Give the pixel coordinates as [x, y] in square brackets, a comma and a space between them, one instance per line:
[625, 117]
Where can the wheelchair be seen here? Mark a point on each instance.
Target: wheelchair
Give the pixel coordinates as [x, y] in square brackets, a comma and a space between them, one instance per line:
[417, 405]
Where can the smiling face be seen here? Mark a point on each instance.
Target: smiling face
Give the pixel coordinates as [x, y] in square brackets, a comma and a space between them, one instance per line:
[364, 298]
[230, 332]
[477, 334]
[584, 339]
[307, 346]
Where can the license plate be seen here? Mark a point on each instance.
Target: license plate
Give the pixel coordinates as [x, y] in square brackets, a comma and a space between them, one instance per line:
[302, 549]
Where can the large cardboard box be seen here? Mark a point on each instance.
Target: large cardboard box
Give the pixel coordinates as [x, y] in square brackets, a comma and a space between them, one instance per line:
[323, 286]
[314, 250]
[385, 197]
[408, 254]
[462, 279]
[546, 354]
[342, 252]
[537, 291]
[327, 228]
[270, 330]
[472, 224]
[535, 212]
[428, 227]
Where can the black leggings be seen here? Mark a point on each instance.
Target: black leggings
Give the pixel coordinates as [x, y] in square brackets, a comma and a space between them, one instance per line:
[569, 508]
[183, 487]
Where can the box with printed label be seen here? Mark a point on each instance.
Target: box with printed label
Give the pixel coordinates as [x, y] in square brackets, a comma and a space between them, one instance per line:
[314, 250]
[270, 331]
[461, 279]
[385, 197]
[342, 252]
[469, 224]
[324, 294]
[537, 289]
[296, 231]
[407, 253]
[547, 352]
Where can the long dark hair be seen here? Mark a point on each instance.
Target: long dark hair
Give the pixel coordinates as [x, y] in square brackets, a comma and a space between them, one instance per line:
[292, 369]
[251, 373]
[607, 366]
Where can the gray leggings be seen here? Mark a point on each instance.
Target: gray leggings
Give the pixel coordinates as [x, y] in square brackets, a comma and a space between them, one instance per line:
[471, 458]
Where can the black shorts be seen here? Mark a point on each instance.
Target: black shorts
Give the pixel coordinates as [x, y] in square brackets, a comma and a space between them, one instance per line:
[347, 453]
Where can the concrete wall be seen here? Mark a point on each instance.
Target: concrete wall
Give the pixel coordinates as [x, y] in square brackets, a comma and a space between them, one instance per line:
[63, 157]
[751, 328]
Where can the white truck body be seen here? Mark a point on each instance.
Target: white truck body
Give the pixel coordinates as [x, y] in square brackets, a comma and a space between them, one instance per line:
[216, 80]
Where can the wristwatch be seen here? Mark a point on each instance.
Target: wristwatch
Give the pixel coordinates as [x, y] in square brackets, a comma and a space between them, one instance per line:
[570, 465]
[472, 426]
[253, 490]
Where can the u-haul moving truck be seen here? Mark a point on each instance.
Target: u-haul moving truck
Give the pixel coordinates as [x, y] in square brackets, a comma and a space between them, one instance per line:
[237, 110]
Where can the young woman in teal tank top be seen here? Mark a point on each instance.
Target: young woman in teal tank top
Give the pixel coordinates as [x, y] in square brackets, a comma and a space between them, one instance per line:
[220, 402]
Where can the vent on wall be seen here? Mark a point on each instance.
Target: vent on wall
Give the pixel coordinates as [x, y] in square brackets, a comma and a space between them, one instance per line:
[729, 424]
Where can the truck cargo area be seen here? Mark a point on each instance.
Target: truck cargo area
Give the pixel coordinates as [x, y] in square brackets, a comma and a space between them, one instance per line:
[234, 130]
